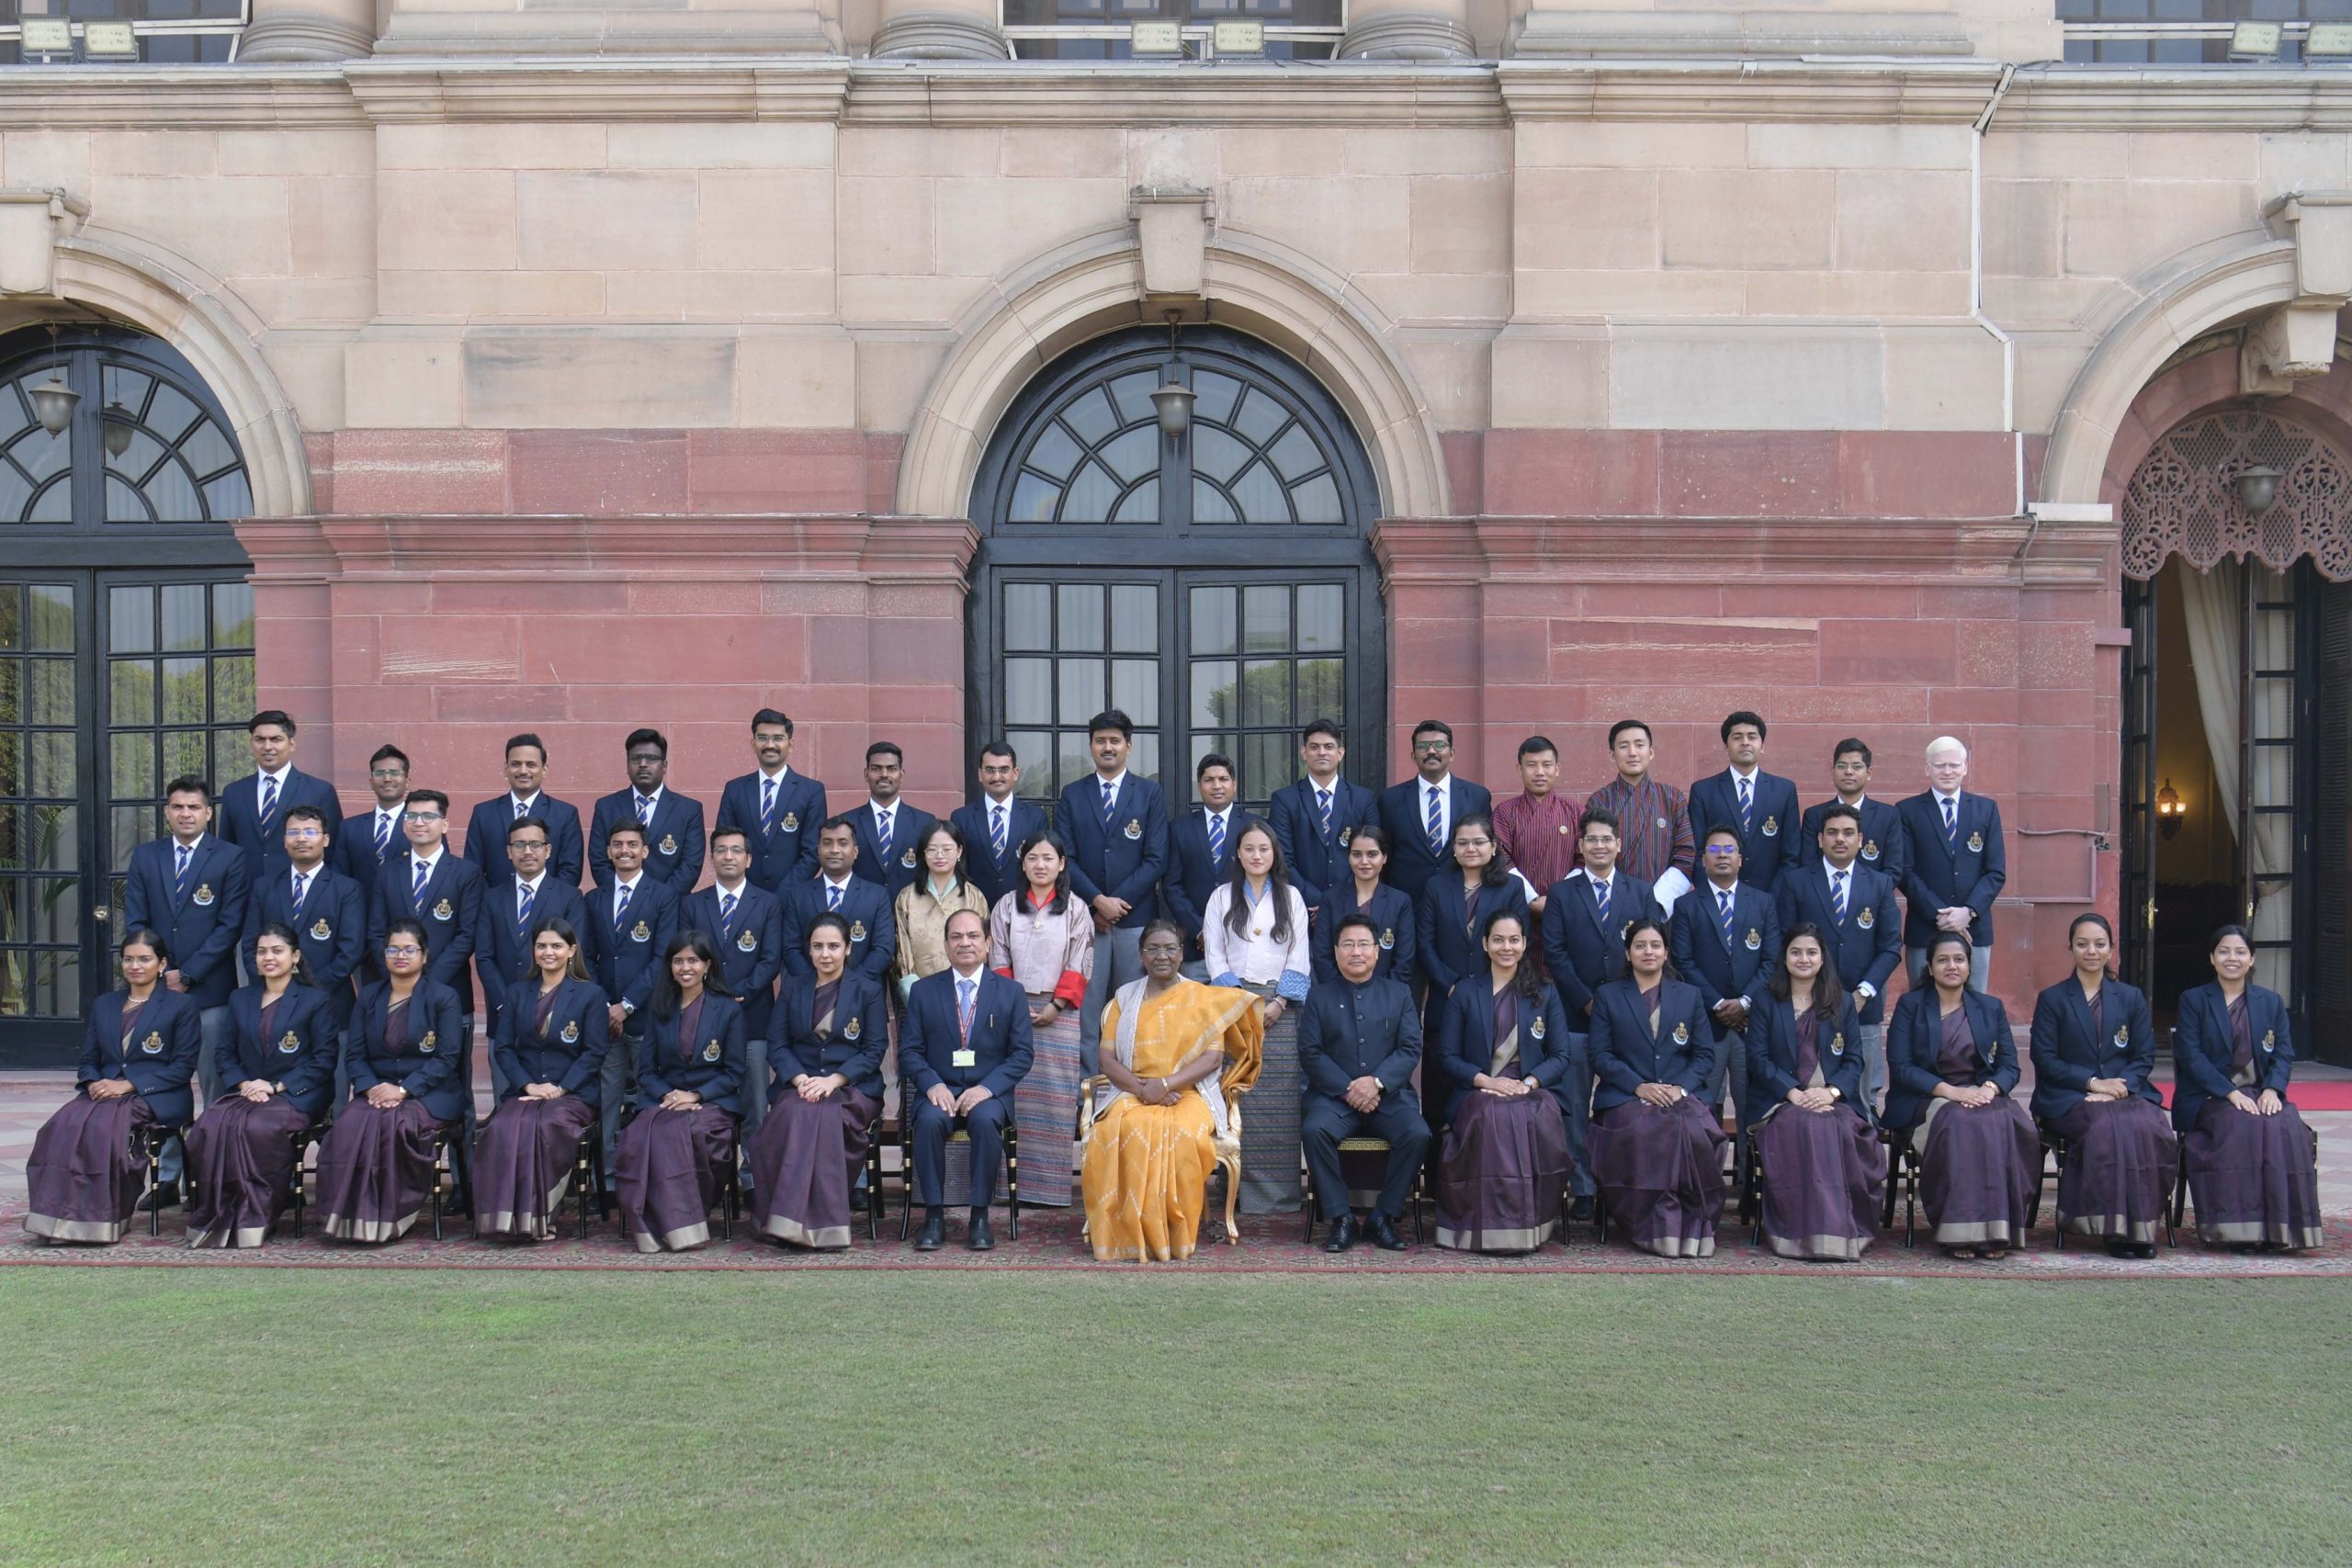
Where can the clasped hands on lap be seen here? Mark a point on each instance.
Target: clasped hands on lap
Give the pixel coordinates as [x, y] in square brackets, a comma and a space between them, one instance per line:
[2268, 1103]
[952, 1104]
[1660, 1096]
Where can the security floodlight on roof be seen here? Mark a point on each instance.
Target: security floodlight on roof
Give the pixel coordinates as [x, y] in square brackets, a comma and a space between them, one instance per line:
[46, 36]
[2254, 40]
[1239, 39]
[2328, 41]
[1162, 39]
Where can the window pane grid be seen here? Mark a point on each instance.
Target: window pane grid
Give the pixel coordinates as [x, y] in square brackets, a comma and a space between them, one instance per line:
[1078, 644]
[41, 844]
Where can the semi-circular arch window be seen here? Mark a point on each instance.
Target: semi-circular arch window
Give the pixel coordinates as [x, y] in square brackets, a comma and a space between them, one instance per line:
[146, 445]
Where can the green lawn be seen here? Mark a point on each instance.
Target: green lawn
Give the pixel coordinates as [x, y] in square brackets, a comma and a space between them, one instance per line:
[261, 1417]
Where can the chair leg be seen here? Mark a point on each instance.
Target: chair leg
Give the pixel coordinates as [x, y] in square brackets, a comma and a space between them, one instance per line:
[1307, 1186]
[1012, 1186]
[906, 1167]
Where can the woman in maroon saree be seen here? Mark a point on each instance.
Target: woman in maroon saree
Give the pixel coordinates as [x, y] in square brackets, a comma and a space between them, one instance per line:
[668, 1164]
[1504, 1048]
[1951, 1064]
[2251, 1166]
[1657, 1142]
[138, 1052]
[378, 1167]
[549, 1053]
[279, 1059]
[831, 1028]
[1817, 1144]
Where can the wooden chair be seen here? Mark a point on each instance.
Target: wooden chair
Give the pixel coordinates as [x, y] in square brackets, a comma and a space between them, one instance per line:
[1363, 1146]
[957, 1134]
[1902, 1172]
[1227, 1147]
[159, 1138]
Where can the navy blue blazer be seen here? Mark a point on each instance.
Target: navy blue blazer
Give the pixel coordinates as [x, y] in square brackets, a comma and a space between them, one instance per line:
[166, 1040]
[2066, 1057]
[354, 853]
[1318, 862]
[486, 838]
[1772, 1058]
[1191, 876]
[709, 1063]
[750, 947]
[449, 907]
[853, 1048]
[1348, 1031]
[303, 1046]
[429, 1065]
[1390, 910]
[2200, 1049]
[1410, 864]
[873, 928]
[264, 845]
[1447, 948]
[1771, 842]
[1467, 1039]
[1001, 1042]
[673, 844]
[1867, 945]
[569, 1053]
[201, 928]
[503, 951]
[1969, 871]
[331, 924]
[629, 955]
[1886, 846]
[786, 851]
[1124, 860]
[1626, 1054]
[992, 877]
[1695, 940]
[1580, 955]
[1912, 1043]
[906, 859]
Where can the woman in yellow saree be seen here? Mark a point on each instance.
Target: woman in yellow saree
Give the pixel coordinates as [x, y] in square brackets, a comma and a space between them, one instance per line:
[1174, 1053]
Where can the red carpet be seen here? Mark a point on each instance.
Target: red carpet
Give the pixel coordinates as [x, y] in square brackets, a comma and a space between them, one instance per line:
[2333, 1095]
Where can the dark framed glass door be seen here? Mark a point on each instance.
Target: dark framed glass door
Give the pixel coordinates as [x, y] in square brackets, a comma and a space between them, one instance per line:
[2139, 816]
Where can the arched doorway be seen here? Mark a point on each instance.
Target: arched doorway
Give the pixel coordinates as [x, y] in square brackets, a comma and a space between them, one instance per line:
[1217, 585]
[2238, 709]
[126, 646]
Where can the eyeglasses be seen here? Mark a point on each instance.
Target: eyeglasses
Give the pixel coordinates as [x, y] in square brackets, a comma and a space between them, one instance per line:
[1719, 850]
[304, 833]
[403, 952]
[387, 773]
[1423, 746]
[420, 817]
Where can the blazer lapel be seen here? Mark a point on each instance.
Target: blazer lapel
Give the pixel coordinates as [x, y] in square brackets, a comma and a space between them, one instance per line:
[2080, 1012]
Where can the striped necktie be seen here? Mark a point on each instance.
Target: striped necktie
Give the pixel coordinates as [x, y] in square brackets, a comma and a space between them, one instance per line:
[967, 992]
[1110, 801]
[301, 888]
[1838, 895]
[1746, 806]
[1323, 814]
[1726, 905]
[522, 809]
[1951, 822]
[621, 891]
[525, 896]
[179, 877]
[383, 833]
[416, 893]
[1216, 841]
[833, 898]
[882, 821]
[767, 806]
[996, 832]
[726, 911]
[644, 812]
[1437, 822]
[268, 799]
[1600, 892]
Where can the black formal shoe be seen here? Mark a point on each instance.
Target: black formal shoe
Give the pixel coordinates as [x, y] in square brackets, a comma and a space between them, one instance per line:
[1383, 1231]
[1581, 1211]
[980, 1238]
[1341, 1236]
[2145, 1249]
[2121, 1250]
[164, 1195]
[933, 1232]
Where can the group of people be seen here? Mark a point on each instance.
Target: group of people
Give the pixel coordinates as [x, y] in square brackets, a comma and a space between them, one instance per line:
[1538, 1009]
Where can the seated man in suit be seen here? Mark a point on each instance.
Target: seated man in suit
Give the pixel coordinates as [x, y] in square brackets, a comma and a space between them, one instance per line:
[1854, 907]
[745, 923]
[253, 809]
[1314, 819]
[1420, 813]
[368, 838]
[531, 893]
[486, 840]
[1359, 1041]
[1726, 940]
[671, 823]
[997, 825]
[779, 809]
[965, 1048]
[1885, 848]
[1759, 807]
[1199, 845]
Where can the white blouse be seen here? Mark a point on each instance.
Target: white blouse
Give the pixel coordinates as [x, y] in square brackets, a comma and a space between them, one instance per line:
[1254, 955]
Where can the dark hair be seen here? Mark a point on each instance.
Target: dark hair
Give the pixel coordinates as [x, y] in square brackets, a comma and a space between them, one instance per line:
[1623, 725]
[291, 938]
[1524, 982]
[624, 824]
[1838, 808]
[933, 829]
[440, 802]
[526, 739]
[1828, 994]
[729, 831]
[1434, 726]
[1358, 920]
[536, 822]
[1322, 726]
[885, 749]
[1496, 873]
[1110, 719]
[1734, 720]
[2093, 918]
[653, 738]
[278, 716]
[556, 925]
[1000, 749]
[311, 813]
[147, 936]
[1236, 881]
[1159, 923]
[1946, 939]
[834, 918]
[1647, 924]
[665, 1001]
[1534, 744]
[1598, 817]
[409, 925]
[956, 915]
[189, 783]
[767, 717]
[1215, 759]
[839, 819]
[389, 749]
[1850, 744]
[1061, 883]
[2232, 930]
[1714, 827]
[1372, 830]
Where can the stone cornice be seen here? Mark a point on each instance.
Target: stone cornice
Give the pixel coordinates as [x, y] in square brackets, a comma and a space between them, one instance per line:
[206, 97]
[2057, 98]
[683, 90]
[1818, 91]
[1051, 92]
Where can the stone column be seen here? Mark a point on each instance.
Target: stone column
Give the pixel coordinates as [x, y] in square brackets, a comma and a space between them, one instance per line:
[308, 30]
[940, 29]
[1408, 29]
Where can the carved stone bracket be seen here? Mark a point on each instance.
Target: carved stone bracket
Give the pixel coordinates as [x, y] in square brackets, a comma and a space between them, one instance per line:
[32, 223]
[1172, 235]
[2296, 342]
